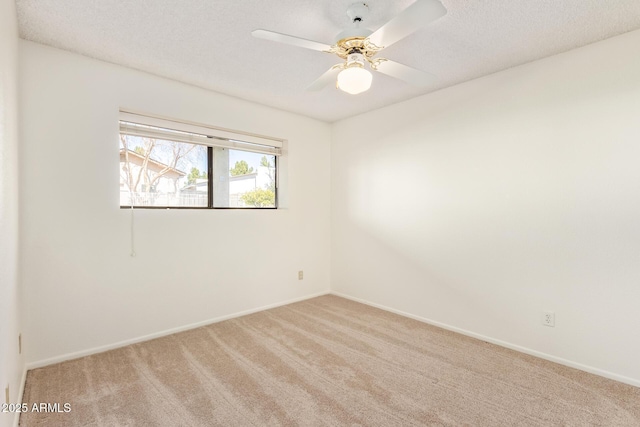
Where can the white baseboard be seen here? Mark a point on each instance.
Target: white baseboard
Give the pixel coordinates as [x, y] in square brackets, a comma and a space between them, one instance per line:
[23, 381]
[551, 358]
[88, 352]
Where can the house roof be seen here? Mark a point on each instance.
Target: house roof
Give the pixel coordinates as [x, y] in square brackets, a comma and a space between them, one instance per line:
[153, 165]
[251, 175]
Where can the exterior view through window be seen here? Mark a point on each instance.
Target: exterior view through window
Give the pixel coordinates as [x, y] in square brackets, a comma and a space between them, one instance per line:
[159, 169]
[162, 173]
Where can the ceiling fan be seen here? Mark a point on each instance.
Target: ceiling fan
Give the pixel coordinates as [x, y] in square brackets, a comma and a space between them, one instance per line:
[358, 46]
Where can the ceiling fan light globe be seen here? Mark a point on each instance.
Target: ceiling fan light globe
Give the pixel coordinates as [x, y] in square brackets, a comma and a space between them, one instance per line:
[354, 80]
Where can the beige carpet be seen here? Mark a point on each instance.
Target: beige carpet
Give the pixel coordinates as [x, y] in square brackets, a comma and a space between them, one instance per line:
[324, 362]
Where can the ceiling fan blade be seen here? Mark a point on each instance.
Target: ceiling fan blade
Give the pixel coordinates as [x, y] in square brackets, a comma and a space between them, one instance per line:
[294, 41]
[407, 22]
[402, 72]
[327, 78]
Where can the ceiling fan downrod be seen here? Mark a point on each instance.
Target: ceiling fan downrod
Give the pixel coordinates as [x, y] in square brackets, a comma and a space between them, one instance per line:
[357, 12]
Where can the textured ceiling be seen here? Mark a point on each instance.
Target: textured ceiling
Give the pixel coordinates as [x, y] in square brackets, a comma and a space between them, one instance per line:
[208, 43]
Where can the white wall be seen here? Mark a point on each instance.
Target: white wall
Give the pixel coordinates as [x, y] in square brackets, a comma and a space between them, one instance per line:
[526, 198]
[83, 289]
[11, 365]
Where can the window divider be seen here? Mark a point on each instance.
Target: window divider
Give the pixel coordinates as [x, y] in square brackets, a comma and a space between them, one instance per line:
[210, 177]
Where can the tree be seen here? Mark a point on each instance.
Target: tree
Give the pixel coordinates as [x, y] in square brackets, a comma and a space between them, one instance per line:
[241, 168]
[260, 198]
[194, 175]
[142, 179]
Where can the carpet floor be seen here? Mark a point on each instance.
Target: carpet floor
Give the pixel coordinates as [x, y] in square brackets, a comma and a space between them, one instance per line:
[327, 361]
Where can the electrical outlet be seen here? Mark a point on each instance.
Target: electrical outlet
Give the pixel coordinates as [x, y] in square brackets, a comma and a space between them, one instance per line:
[549, 318]
[6, 395]
[300, 275]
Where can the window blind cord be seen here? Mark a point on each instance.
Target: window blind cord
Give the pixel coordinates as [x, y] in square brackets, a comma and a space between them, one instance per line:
[133, 250]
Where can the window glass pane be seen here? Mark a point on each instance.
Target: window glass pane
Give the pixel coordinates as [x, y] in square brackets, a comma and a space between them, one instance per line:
[246, 180]
[155, 172]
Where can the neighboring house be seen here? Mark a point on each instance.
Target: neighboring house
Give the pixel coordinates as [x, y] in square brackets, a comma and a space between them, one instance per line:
[240, 184]
[158, 188]
[200, 186]
[195, 194]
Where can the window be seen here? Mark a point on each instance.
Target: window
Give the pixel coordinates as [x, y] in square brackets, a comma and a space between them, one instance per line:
[168, 164]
